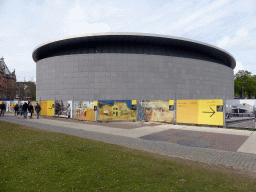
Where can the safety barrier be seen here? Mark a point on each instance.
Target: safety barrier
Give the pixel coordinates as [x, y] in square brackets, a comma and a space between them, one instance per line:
[231, 113]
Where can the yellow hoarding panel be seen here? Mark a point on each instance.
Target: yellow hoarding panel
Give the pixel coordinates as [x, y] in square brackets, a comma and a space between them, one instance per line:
[134, 102]
[50, 108]
[44, 108]
[1, 102]
[187, 111]
[95, 103]
[171, 102]
[208, 114]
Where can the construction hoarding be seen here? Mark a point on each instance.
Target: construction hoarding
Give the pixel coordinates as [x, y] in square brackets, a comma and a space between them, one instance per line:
[61, 108]
[207, 112]
[156, 110]
[117, 110]
[85, 110]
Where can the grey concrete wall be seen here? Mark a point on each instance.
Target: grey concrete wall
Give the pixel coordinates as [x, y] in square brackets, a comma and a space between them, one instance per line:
[131, 76]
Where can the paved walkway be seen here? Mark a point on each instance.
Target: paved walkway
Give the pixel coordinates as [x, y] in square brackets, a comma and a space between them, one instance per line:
[244, 157]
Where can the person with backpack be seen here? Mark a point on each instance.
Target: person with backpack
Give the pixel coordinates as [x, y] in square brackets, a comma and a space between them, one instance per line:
[37, 109]
[16, 109]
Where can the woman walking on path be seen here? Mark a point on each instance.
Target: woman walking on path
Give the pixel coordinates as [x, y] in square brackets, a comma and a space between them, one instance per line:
[30, 109]
[16, 109]
[37, 109]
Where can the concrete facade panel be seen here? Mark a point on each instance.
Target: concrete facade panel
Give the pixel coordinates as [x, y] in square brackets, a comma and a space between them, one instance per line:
[130, 76]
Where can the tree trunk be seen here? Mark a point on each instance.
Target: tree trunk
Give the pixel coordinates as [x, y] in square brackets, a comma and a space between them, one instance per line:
[249, 94]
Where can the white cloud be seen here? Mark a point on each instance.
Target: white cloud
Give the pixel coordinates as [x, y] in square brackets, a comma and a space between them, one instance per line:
[240, 66]
[76, 23]
[203, 12]
[241, 39]
[205, 20]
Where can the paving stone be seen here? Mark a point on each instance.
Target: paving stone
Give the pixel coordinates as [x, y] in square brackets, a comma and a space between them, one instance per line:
[253, 161]
[248, 160]
[155, 137]
[228, 158]
[232, 159]
[196, 135]
[195, 143]
[238, 161]
[245, 160]
[238, 155]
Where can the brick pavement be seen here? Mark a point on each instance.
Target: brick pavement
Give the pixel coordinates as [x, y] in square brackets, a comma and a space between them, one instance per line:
[220, 141]
[207, 155]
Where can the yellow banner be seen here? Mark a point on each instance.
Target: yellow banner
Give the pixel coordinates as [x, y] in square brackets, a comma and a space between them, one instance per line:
[44, 108]
[171, 102]
[50, 108]
[187, 111]
[208, 114]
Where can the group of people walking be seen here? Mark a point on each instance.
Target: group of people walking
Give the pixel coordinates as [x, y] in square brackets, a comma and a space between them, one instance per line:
[22, 109]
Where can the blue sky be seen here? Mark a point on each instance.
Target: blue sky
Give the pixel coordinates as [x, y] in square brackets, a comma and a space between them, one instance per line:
[25, 24]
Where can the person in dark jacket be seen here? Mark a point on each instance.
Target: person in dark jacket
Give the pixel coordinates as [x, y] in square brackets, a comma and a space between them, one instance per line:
[30, 109]
[3, 108]
[16, 109]
[20, 109]
[25, 109]
[37, 109]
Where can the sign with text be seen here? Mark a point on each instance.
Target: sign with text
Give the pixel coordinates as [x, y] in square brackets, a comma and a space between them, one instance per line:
[208, 112]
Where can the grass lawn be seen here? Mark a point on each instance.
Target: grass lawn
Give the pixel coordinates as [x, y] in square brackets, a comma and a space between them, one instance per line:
[37, 160]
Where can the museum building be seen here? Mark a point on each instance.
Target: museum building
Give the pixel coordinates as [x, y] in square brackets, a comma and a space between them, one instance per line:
[138, 66]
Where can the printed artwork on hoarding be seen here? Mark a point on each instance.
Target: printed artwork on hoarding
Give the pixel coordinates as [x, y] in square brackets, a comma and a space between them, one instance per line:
[207, 112]
[116, 110]
[240, 113]
[13, 103]
[61, 108]
[84, 110]
[156, 110]
[43, 108]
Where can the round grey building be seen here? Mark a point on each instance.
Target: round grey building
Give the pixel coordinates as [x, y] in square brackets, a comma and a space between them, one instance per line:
[124, 66]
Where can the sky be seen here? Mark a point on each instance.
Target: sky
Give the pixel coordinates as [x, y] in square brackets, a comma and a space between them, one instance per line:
[26, 24]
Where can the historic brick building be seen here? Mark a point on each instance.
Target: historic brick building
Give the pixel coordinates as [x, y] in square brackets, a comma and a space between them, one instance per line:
[7, 82]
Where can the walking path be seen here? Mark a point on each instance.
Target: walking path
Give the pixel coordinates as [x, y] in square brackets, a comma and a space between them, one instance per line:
[160, 139]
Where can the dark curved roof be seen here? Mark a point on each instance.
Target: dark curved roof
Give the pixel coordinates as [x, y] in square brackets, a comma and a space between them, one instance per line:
[140, 43]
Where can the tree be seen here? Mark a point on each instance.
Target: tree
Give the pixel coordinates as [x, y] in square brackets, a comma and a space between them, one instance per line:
[31, 90]
[10, 90]
[26, 90]
[245, 84]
